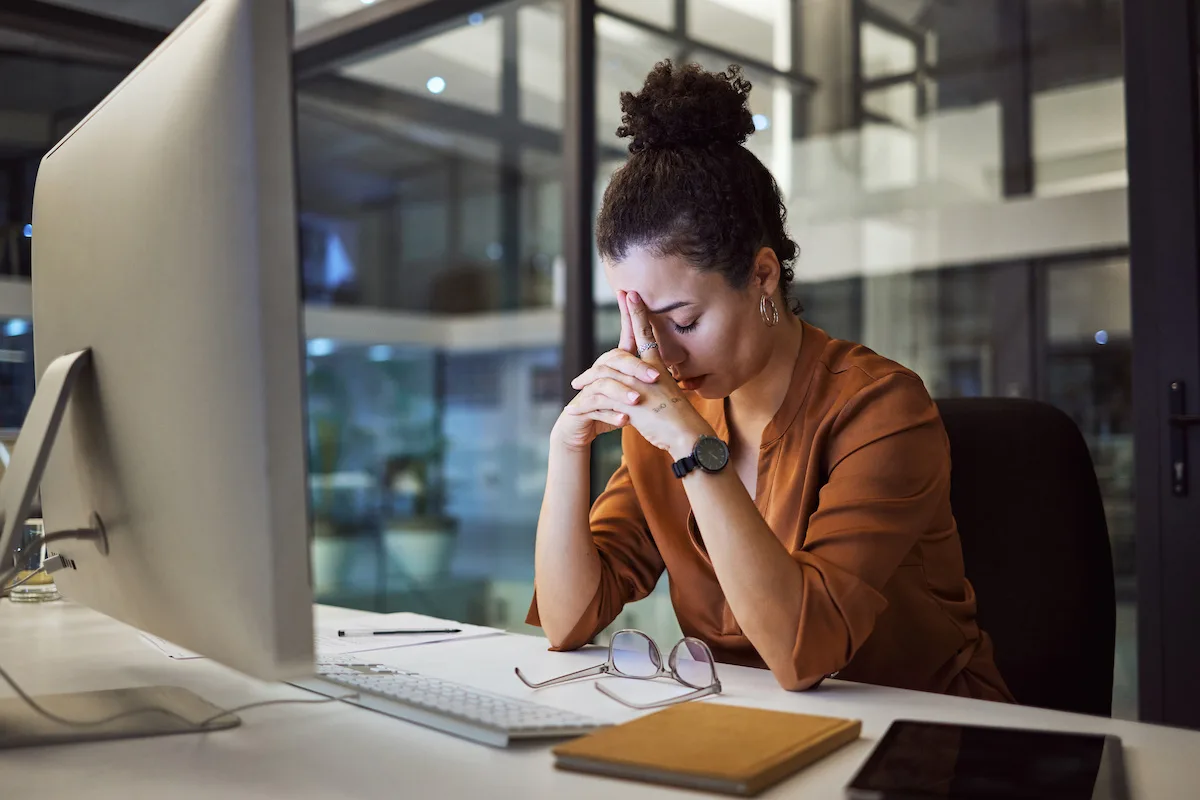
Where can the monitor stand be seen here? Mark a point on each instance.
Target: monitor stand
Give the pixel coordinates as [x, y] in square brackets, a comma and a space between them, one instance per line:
[135, 714]
[143, 711]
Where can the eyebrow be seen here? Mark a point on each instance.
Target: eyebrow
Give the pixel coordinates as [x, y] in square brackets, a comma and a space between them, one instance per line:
[671, 307]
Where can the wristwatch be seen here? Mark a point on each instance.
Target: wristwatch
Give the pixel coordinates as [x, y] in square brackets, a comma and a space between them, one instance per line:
[710, 454]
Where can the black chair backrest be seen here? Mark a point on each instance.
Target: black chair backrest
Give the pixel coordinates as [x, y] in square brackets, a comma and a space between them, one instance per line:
[1035, 544]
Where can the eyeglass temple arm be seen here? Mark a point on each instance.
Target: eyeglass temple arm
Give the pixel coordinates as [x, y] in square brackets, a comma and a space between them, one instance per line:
[599, 669]
[714, 689]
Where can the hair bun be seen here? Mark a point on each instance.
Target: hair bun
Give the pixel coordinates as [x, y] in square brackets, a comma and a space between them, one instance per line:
[687, 107]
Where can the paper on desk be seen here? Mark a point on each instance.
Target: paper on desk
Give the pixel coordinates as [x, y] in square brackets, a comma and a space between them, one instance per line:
[328, 643]
[172, 650]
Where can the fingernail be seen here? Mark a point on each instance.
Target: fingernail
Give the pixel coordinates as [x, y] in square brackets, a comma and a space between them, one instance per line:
[633, 298]
[633, 396]
[652, 374]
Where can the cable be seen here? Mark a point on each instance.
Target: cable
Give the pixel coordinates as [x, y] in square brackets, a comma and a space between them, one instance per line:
[6, 588]
[74, 534]
[262, 703]
[6, 576]
[203, 725]
[9, 574]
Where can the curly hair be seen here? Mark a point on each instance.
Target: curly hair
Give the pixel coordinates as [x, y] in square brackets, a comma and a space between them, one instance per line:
[690, 188]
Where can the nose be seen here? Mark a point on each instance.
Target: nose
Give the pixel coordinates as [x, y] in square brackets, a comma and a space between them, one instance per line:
[673, 355]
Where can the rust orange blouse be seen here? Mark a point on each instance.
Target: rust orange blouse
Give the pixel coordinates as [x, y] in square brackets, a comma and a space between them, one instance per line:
[854, 479]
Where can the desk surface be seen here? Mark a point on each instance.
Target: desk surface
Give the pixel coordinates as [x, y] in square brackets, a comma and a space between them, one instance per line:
[336, 751]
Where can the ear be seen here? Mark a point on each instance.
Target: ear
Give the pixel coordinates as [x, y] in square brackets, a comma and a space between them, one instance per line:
[764, 275]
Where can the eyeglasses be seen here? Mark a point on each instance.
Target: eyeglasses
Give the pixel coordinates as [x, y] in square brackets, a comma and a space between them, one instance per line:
[633, 654]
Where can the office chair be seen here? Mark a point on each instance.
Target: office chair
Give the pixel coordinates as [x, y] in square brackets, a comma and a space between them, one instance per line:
[1035, 544]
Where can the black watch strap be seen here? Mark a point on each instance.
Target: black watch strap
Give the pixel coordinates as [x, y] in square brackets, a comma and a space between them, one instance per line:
[685, 465]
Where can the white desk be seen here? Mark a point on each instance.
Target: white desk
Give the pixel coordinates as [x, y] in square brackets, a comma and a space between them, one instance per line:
[337, 751]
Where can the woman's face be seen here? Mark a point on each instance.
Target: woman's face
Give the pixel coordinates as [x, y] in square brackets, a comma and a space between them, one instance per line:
[711, 336]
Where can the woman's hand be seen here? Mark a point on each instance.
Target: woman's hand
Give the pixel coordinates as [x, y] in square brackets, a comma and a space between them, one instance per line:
[618, 379]
[658, 410]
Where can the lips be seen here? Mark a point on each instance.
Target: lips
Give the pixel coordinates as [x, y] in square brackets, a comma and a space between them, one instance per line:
[691, 384]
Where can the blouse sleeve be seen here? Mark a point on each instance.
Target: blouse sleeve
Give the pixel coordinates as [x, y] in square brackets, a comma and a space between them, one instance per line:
[889, 476]
[630, 564]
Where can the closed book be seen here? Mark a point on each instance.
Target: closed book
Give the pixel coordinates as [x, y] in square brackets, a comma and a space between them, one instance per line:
[709, 746]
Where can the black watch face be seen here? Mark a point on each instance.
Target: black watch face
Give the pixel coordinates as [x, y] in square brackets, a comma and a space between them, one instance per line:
[711, 453]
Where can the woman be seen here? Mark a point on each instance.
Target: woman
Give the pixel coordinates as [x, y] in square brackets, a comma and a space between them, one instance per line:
[796, 488]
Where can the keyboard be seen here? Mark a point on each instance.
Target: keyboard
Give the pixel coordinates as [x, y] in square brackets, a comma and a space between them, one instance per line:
[445, 706]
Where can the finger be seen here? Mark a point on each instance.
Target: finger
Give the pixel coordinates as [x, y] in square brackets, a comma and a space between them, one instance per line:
[615, 391]
[588, 402]
[614, 418]
[605, 393]
[619, 365]
[627, 343]
[615, 386]
[643, 331]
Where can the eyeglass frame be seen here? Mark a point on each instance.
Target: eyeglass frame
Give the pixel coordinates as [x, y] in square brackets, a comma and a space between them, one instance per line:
[609, 667]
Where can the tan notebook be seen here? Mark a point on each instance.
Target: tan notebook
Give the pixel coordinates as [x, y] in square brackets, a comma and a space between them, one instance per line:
[709, 746]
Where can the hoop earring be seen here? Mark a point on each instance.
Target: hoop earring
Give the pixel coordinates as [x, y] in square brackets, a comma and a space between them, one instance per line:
[769, 311]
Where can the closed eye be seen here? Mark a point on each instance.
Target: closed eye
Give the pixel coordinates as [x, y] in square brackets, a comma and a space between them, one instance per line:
[685, 328]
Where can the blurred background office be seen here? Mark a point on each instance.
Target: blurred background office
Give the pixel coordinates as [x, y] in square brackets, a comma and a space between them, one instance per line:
[955, 174]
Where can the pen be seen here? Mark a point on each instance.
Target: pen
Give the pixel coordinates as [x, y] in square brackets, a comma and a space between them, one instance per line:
[367, 632]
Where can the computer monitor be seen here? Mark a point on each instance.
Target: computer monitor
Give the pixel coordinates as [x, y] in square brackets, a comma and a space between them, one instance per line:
[166, 313]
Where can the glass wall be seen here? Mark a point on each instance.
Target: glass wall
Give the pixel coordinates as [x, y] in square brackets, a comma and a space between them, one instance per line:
[431, 242]
[955, 178]
[16, 371]
[954, 174]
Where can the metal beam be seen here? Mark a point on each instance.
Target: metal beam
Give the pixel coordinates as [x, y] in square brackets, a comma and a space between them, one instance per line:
[887, 81]
[511, 177]
[409, 107]
[681, 31]
[127, 42]
[1015, 93]
[383, 26]
[579, 188]
[76, 58]
[899, 27]
[1162, 114]
[801, 82]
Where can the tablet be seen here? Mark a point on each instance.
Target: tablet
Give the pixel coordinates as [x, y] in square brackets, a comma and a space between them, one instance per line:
[918, 760]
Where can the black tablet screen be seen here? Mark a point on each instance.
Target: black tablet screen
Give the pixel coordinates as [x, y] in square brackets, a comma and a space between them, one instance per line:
[919, 760]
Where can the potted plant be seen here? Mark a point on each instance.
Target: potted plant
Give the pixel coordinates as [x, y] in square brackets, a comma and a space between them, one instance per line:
[342, 500]
[418, 536]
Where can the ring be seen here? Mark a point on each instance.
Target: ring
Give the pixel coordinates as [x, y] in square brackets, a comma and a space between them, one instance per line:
[647, 346]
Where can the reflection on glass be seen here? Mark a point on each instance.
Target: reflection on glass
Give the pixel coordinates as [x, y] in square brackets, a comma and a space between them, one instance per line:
[931, 227]
[656, 12]
[156, 15]
[540, 44]
[885, 52]
[16, 371]
[1089, 375]
[754, 28]
[459, 67]
[431, 183]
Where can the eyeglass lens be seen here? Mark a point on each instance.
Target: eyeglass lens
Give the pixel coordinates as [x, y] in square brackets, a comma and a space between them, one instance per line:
[692, 663]
[635, 655]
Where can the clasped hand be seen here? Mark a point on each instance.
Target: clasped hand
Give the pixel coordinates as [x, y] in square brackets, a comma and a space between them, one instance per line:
[622, 389]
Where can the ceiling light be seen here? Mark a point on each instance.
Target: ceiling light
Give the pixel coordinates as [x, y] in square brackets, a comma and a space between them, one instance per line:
[436, 84]
[318, 348]
[16, 327]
